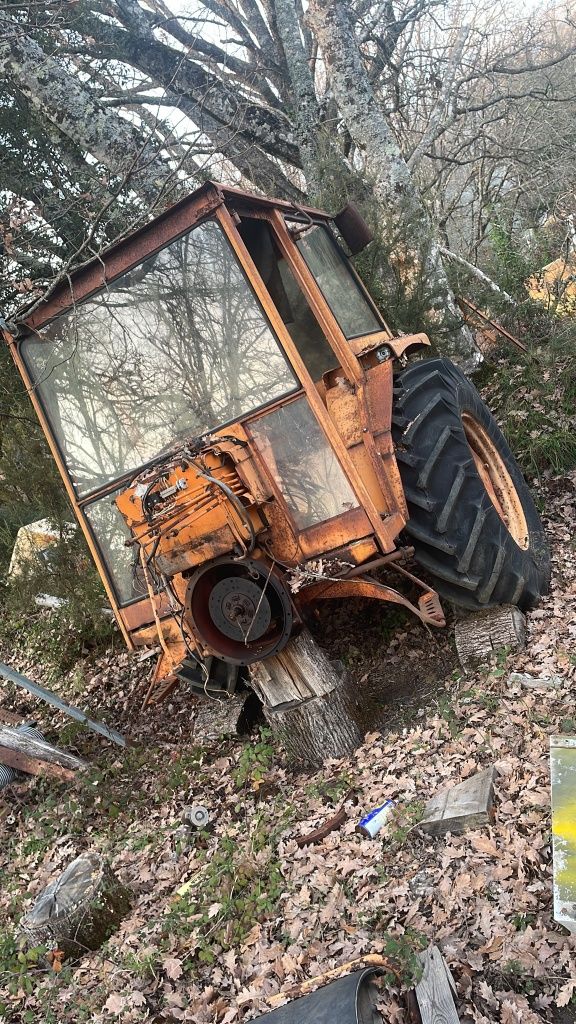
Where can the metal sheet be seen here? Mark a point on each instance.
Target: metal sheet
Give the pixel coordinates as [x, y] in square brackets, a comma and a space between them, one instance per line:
[346, 1001]
[563, 783]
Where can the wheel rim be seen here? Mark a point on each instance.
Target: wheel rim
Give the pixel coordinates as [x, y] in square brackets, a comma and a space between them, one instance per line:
[497, 480]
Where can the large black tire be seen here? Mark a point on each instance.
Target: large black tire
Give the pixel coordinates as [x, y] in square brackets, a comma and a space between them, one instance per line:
[459, 536]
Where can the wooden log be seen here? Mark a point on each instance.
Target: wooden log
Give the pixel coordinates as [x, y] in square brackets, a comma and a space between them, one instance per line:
[38, 749]
[480, 635]
[435, 992]
[309, 706]
[231, 716]
[79, 910]
[9, 718]
[464, 806]
[33, 766]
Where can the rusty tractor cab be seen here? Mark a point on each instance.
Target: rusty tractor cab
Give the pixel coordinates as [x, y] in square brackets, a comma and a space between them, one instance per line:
[238, 438]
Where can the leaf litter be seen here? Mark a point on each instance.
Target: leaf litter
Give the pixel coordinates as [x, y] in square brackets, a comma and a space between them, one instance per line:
[217, 930]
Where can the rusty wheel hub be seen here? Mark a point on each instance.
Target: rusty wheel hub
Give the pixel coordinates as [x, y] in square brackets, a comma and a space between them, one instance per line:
[496, 479]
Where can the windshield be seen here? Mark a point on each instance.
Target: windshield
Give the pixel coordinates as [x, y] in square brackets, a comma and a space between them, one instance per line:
[174, 348]
[340, 288]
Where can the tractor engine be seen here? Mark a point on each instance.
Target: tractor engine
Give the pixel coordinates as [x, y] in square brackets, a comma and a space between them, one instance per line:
[199, 532]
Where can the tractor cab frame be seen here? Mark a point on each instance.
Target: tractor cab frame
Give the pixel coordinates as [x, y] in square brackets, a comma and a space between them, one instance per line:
[217, 390]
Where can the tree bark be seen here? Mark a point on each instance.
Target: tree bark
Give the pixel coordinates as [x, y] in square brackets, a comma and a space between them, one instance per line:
[308, 705]
[407, 221]
[305, 106]
[60, 97]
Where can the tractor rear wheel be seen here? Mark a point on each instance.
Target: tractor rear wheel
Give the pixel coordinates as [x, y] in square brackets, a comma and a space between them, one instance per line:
[473, 523]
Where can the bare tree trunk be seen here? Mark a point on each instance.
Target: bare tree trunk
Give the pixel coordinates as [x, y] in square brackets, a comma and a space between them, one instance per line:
[61, 97]
[417, 250]
[305, 110]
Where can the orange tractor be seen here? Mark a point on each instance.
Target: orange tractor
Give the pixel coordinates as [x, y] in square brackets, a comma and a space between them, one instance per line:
[241, 435]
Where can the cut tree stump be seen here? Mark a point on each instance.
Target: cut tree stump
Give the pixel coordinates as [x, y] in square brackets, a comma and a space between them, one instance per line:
[480, 634]
[231, 716]
[79, 910]
[310, 707]
[435, 992]
[464, 806]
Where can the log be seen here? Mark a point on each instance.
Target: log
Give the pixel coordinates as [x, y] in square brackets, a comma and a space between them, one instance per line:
[480, 635]
[310, 707]
[38, 749]
[436, 991]
[79, 910]
[33, 765]
[464, 806]
[230, 716]
[9, 718]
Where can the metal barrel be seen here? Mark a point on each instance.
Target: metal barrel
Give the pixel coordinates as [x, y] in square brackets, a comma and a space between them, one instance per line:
[8, 774]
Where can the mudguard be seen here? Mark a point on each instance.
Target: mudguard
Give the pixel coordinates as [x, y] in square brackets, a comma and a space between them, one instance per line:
[350, 1000]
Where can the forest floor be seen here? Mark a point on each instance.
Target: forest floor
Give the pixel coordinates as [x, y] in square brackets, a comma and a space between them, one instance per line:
[217, 930]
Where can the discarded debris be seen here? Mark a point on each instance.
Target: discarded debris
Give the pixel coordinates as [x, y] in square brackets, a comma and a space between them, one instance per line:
[24, 749]
[183, 839]
[464, 806]
[79, 910]
[336, 821]
[350, 1000]
[563, 783]
[436, 992]
[375, 820]
[482, 633]
[196, 817]
[372, 962]
[535, 682]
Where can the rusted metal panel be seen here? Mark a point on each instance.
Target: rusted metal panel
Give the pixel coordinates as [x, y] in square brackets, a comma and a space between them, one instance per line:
[375, 403]
[342, 405]
[428, 610]
[334, 533]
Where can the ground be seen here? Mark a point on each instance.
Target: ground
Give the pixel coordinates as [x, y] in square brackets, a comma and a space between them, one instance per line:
[218, 929]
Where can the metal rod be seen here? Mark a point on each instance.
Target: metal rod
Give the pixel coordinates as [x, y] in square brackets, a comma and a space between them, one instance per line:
[57, 702]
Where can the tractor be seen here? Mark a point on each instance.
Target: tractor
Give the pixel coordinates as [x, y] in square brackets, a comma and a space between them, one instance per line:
[241, 436]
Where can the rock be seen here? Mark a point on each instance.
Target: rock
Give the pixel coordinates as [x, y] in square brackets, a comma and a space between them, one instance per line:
[535, 682]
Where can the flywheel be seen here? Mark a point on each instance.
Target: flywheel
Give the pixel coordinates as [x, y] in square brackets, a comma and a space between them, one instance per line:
[241, 611]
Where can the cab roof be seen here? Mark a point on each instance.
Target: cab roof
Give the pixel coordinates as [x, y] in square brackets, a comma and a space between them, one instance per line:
[130, 250]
